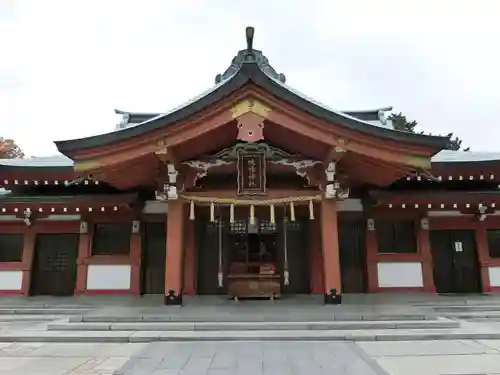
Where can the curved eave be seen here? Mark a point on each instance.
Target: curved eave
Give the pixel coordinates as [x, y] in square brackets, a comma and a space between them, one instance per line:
[251, 72]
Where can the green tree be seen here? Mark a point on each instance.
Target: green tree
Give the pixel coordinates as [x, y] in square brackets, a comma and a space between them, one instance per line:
[9, 149]
[401, 123]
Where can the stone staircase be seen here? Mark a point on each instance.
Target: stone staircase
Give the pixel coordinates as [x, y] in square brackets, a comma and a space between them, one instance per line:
[471, 313]
[157, 328]
[246, 323]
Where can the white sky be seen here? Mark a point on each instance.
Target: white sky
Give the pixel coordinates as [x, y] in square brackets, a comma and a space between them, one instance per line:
[66, 64]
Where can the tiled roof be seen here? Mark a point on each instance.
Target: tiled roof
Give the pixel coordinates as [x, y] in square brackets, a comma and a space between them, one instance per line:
[450, 156]
[43, 161]
[445, 156]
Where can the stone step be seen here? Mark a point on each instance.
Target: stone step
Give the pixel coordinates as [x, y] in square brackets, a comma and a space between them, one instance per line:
[255, 317]
[467, 308]
[28, 318]
[473, 315]
[268, 335]
[42, 311]
[251, 326]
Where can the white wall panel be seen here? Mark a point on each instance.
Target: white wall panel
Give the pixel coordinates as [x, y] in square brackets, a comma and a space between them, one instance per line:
[11, 280]
[400, 274]
[108, 277]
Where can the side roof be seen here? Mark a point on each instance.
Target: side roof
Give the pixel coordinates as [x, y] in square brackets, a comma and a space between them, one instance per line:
[250, 65]
[63, 163]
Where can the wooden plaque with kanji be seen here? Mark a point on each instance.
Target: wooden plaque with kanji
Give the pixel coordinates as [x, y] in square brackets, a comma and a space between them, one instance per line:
[251, 173]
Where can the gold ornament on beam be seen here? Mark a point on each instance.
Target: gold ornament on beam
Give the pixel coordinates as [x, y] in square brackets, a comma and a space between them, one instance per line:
[231, 213]
[292, 212]
[252, 214]
[191, 210]
[272, 216]
[311, 210]
[212, 212]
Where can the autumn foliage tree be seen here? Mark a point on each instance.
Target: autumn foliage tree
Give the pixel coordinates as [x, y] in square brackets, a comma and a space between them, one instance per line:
[9, 149]
[400, 122]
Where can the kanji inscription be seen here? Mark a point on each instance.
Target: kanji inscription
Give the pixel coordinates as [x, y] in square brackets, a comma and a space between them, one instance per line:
[251, 173]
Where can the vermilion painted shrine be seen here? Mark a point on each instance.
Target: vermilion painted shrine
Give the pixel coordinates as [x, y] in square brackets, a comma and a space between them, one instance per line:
[251, 190]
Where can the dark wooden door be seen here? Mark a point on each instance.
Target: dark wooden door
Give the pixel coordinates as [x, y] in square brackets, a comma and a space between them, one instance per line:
[153, 240]
[297, 249]
[352, 248]
[456, 268]
[54, 265]
[208, 237]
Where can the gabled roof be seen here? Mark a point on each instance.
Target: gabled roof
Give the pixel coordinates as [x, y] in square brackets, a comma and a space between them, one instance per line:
[251, 65]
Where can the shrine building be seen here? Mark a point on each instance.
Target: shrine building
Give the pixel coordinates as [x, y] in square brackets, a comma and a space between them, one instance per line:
[252, 189]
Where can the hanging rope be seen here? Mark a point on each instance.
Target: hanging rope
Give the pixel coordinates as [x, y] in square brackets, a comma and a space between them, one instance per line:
[220, 274]
[231, 213]
[272, 216]
[255, 202]
[286, 275]
[292, 212]
[252, 214]
[212, 212]
[191, 210]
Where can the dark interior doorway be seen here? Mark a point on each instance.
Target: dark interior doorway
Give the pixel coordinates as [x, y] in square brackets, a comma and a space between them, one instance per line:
[240, 248]
[297, 251]
[352, 248]
[211, 243]
[153, 258]
[54, 265]
[456, 267]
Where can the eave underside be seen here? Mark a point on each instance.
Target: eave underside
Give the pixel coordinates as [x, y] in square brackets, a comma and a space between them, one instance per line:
[436, 199]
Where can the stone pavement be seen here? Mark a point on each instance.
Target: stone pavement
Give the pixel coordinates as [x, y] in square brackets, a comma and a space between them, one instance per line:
[458, 357]
[64, 359]
[416, 319]
[251, 358]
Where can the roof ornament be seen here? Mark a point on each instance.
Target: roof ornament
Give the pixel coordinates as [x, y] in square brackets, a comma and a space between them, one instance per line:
[250, 31]
[251, 56]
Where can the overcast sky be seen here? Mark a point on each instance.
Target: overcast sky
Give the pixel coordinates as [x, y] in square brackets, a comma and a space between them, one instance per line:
[66, 64]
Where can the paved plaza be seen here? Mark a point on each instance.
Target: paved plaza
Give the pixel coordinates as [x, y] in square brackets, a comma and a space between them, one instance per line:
[470, 357]
[371, 335]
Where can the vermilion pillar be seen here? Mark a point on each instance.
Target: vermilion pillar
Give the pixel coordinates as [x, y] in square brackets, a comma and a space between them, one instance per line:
[173, 264]
[84, 249]
[331, 256]
[424, 246]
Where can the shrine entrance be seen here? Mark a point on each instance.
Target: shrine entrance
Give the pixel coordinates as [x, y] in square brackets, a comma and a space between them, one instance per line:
[257, 258]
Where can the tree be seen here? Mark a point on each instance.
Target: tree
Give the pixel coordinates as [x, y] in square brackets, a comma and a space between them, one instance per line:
[9, 149]
[401, 123]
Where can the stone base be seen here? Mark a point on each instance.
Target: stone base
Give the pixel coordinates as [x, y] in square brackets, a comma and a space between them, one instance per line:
[173, 299]
[333, 298]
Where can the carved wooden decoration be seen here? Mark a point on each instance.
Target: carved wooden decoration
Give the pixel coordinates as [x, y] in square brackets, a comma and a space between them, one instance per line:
[303, 168]
[250, 128]
[250, 116]
[197, 169]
